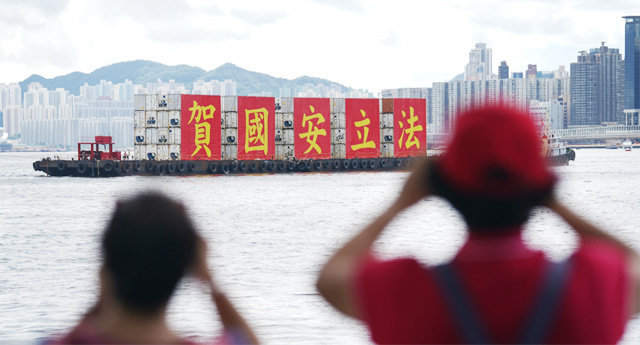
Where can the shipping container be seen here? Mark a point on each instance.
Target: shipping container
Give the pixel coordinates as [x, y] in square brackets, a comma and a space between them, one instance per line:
[387, 105]
[229, 103]
[338, 121]
[338, 151]
[173, 102]
[140, 152]
[163, 118]
[231, 119]
[163, 136]
[230, 136]
[285, 152]
[386, 120]
[150, 101]
[174, 136]
[174, 152]
[386, 150]
[151, 136]
[139, 102]
[152, 121]
[151, 152]
[229, 152]
[139, 119]
[279, 120]
[337, 105]
[174, 118]
[162, 102]
[286, 104]
[386, 135]
[139, 134]
[287, 136]
[338, 136]
[163, 153]
[287, 119]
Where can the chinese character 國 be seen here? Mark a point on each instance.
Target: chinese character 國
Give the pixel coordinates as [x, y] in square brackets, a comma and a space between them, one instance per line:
[257, 130]
[201, 115]
[312, 133]
[364, 134]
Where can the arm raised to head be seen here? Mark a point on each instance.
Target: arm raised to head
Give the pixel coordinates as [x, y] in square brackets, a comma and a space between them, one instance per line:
[586, 230]
[336, 276]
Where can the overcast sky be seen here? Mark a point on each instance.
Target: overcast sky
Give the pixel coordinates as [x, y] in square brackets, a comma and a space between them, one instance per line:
[362, 44]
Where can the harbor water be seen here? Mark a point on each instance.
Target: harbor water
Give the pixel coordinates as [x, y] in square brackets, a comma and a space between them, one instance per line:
[268, 234]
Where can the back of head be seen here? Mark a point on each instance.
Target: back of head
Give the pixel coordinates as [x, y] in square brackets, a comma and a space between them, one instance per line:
[148, 247]
[493, 170]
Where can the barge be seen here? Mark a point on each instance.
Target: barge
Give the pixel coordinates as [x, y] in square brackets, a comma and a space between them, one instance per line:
[202, 134]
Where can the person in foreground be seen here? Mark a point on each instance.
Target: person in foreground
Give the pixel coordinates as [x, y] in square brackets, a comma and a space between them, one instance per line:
[496, 289]
[149, 245]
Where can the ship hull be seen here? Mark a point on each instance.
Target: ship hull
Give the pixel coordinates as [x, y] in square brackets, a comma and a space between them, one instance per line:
[109, 168]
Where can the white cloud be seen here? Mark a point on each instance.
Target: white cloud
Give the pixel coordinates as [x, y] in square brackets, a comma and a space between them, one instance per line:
[366, 44]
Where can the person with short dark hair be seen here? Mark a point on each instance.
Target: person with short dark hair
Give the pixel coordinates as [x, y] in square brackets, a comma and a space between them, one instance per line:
[496, 289]
[149, 246]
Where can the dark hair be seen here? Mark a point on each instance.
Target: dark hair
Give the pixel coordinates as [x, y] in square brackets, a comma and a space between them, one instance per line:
[148, 246]
[485, 213]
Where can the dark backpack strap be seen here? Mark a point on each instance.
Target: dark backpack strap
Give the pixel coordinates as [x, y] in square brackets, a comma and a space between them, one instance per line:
[542, 317]
[465, 316]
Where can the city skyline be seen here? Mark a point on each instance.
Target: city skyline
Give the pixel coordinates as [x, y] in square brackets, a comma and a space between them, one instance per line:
[55, 38]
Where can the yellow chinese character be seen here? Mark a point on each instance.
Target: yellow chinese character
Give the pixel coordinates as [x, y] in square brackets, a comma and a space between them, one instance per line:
[202, 138]
[412, 140]
[257, 132]
[312, 133]
[203, 128]
[362, 136]
[199, 112]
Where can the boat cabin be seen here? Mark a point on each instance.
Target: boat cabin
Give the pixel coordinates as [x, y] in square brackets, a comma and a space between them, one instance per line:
[96, 153]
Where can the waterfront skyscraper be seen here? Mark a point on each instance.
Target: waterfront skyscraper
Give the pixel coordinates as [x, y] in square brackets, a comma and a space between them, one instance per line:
[532, 71]
[632, 69]
[479, 66]
[597, 86]
[503, 70]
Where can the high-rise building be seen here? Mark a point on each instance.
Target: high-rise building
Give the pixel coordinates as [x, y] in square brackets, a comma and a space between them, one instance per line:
[517, 75]
[632, 69]
[532, 71]
[479, 66]
[503, 70]
[597, 87]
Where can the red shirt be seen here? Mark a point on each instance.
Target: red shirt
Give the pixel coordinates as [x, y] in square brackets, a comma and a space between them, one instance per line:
[402, 304]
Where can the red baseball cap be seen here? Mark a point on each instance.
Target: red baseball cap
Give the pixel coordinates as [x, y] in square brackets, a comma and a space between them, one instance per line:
[496, 151]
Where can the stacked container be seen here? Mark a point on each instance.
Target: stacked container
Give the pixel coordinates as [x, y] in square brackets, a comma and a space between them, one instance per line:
[229, 121]
[386, 128]
[284, 135]
[338, 128]
[157, 127]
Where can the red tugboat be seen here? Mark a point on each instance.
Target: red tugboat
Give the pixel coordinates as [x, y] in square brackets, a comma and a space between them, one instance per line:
[92, 161]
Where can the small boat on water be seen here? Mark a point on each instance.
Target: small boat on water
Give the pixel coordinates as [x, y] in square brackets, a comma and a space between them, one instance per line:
[627, 145]
[612, 147]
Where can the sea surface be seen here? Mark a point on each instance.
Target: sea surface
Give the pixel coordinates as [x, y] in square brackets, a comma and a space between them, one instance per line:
[269, 234]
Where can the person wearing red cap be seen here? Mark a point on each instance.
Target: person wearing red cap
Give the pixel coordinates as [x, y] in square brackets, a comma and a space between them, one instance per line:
[496, 289]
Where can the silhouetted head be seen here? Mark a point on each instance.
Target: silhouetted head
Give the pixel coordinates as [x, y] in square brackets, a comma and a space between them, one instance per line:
[493, 171]
[148, 246]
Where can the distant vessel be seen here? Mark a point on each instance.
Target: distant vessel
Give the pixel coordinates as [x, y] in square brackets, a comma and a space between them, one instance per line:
[627, 145]
[558, 153]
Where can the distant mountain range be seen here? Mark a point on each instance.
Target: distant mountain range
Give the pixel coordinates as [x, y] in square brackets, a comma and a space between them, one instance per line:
[143, 71]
